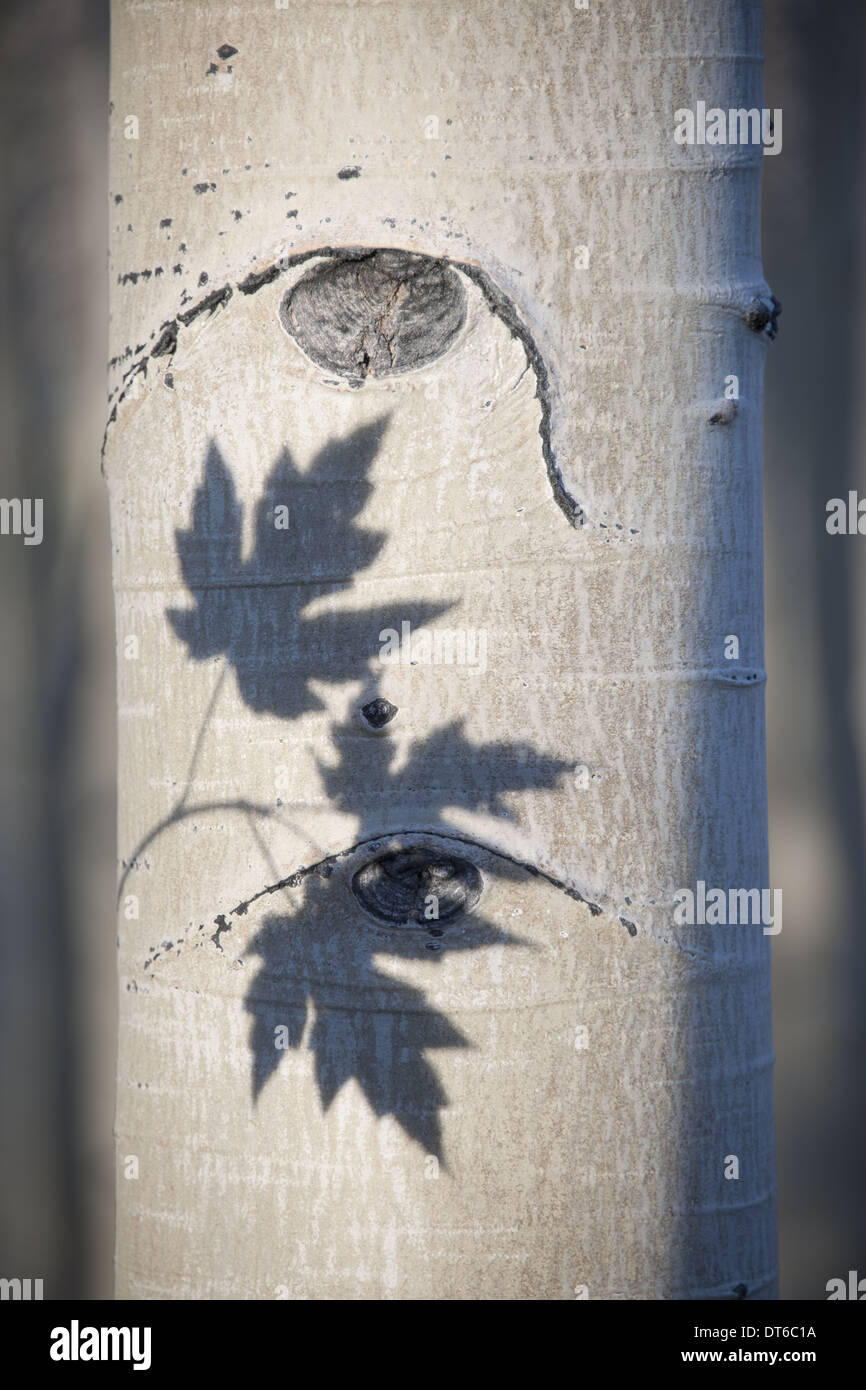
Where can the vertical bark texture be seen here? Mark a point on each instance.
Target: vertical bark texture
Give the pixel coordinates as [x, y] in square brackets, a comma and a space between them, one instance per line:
[324, 1091]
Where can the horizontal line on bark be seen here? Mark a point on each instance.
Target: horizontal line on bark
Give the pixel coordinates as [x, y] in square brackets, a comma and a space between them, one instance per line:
[724, 1292]
[357, 582]
[459, 163]
[763, 1062]
[743, 677]
[400, 1007]
[720, 1209]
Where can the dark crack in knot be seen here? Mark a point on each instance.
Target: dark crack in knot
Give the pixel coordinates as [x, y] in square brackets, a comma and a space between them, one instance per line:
[378, 313]
[412, 886]
[378, 712]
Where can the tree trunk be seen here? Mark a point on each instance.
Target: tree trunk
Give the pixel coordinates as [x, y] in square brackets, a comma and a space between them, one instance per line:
[436, 511]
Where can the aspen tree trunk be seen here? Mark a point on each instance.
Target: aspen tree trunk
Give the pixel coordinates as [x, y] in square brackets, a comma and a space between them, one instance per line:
[437, 526]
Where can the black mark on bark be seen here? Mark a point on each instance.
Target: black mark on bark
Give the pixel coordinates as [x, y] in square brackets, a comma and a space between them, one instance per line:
[724, 413]
[255, 281]
[221, 925]
[378, 712]
[166, 342]
[210, 302]
[761, 315]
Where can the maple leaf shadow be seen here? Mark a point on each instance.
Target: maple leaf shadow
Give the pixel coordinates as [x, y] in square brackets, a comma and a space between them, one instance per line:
[308, 547]
[318, 979]
[445, 770]
[365, 1024]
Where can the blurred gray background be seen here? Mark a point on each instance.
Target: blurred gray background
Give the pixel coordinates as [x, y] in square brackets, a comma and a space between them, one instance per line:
[57, 739]
[815, 449]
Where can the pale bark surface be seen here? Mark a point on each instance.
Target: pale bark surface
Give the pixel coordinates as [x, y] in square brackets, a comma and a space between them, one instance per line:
[580, 1075]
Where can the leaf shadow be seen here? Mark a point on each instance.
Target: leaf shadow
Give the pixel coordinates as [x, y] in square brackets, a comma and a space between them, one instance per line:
[256, 610]
[319, 979]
